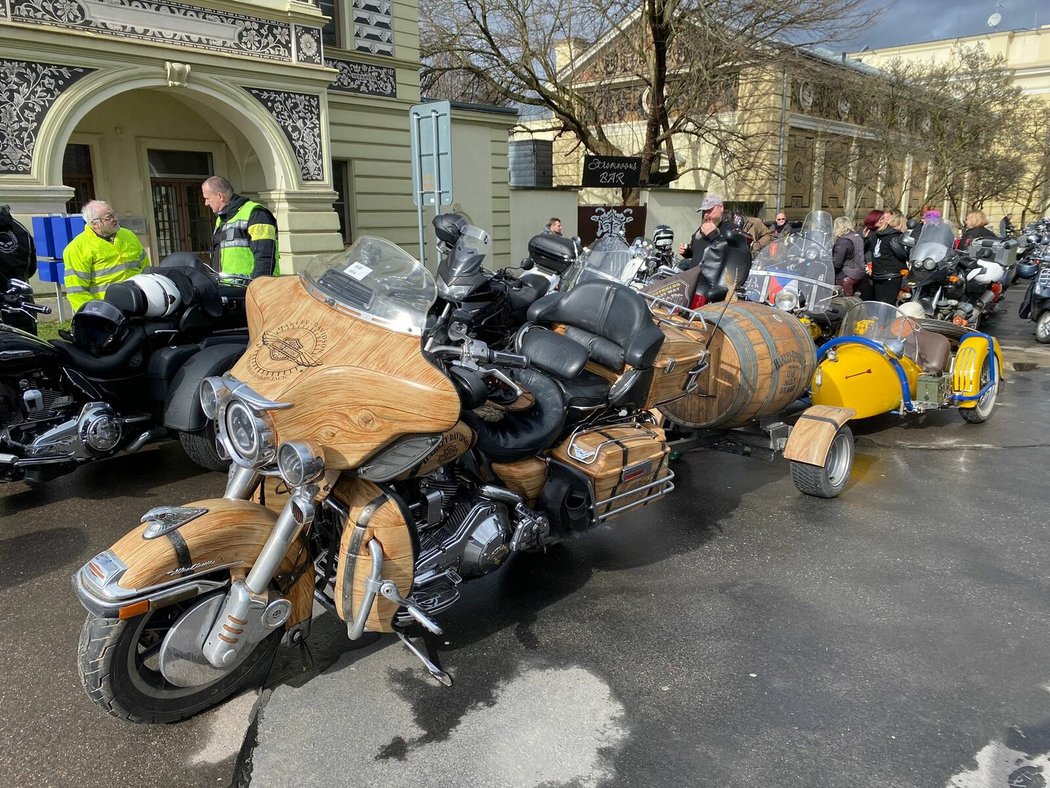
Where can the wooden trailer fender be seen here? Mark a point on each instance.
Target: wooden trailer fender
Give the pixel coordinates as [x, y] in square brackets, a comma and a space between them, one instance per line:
[811, 437]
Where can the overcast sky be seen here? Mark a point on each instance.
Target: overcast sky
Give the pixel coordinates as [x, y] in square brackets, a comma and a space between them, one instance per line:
[912, 21]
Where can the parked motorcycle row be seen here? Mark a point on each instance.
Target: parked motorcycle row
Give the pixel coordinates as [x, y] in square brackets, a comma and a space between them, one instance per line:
[391, 434]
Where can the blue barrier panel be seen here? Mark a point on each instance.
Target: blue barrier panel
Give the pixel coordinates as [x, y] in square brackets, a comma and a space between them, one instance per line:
[66, 229]
[44, 237]
[51, 271]
[53, 233]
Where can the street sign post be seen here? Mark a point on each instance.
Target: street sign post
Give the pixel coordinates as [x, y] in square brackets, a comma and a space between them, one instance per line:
[431, 135]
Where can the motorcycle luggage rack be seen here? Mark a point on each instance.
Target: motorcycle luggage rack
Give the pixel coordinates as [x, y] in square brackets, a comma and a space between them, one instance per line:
[690, 316]
[656, 489]
[588, 456]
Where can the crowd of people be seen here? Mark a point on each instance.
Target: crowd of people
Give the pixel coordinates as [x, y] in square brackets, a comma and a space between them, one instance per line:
[868, 257]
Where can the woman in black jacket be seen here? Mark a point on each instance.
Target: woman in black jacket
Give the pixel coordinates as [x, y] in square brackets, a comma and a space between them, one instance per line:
[976, 222]
[888, 257]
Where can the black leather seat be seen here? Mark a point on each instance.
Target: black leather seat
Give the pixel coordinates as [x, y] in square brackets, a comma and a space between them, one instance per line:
[521, 434]
[725, 266]
[124, 362]
[614, 325]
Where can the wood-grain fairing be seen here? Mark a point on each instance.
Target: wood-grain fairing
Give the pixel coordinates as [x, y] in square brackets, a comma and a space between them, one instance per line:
[389, 527]
[354, 386]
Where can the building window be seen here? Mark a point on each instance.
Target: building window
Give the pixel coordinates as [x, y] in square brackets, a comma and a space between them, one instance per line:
[330, 33]
[341, 183]
[77, 173]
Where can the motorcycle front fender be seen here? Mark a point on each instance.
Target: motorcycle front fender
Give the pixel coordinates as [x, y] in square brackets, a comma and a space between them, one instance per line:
[969, 361]
[138, 573]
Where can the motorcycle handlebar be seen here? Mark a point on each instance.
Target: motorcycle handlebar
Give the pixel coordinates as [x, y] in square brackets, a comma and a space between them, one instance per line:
[43, 310]
[483, 355]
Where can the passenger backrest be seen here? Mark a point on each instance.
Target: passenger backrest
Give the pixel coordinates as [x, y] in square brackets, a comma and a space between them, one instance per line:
[612, 321]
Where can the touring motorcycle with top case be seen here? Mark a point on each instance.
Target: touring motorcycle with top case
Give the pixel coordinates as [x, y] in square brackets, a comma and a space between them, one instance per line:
[368, 474]
[126, 374]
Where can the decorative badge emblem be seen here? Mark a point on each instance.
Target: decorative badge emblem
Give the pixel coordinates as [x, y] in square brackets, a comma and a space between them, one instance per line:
[288, 348]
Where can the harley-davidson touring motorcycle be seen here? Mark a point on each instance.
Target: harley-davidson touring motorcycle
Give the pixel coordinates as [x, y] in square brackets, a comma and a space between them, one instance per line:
[126, 374]
[367, 475]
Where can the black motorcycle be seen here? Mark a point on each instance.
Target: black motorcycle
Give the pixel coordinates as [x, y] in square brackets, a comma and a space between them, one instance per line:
[17, 307]
[1036, 303]
[127, 373]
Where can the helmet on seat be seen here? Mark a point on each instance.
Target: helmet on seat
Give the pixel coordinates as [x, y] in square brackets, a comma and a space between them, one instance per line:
[162, 295]
[99, 328]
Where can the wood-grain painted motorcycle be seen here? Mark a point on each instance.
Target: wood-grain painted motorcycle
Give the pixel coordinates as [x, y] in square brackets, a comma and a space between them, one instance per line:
[372, 473]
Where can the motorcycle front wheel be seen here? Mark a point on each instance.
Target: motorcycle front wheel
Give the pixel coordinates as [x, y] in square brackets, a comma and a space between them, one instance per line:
[1042, 328]
[118, 666]
[983, 409]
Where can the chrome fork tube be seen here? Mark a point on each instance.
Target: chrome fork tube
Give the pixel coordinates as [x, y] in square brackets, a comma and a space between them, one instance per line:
[297, 514]
[241, 483]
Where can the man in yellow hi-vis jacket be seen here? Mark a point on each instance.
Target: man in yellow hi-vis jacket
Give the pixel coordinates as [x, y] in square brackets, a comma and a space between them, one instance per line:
[245, 240]
[103, 254]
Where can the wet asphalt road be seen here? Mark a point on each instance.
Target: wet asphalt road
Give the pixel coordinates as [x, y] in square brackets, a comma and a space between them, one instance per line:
[736, 633]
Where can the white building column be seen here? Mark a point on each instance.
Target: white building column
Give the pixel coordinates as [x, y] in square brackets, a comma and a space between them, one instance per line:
[819, 152]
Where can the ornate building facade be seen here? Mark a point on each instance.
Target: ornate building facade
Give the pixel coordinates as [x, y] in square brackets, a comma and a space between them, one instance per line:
[302, 104]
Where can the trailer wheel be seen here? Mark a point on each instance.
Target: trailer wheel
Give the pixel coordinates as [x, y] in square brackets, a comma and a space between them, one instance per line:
[828, 480]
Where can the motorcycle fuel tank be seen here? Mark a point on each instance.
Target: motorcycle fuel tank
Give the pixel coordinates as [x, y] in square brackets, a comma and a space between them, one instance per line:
[21, 351]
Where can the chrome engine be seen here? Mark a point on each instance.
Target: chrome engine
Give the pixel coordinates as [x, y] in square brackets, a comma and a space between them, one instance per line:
[472, 538]
[97, 430]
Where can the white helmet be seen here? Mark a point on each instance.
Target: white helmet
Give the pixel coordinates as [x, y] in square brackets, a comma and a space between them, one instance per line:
[162, 296]
[912, 309]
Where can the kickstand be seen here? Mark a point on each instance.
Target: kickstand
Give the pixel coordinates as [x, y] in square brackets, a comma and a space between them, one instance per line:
[430, 660]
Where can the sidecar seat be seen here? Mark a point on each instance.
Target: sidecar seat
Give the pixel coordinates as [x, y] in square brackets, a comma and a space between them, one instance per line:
[615, 326]
[934, 351]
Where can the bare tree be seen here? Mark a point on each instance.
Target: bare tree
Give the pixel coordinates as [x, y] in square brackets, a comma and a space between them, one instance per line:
[622, 78]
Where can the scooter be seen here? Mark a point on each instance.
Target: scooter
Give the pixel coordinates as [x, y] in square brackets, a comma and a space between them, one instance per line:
[1036, 303]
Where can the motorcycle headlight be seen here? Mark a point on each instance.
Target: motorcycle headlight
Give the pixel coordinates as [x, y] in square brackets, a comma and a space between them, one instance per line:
[398, 458]
[213, 391]
[929, 263]
[299, 463]
[247, 434]
[786, 300]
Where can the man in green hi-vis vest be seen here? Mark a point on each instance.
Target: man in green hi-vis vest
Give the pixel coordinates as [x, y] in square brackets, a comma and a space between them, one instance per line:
[245, 240]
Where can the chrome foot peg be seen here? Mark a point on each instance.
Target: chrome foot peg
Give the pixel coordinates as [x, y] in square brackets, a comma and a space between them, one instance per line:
[389, 590]
[431, 666]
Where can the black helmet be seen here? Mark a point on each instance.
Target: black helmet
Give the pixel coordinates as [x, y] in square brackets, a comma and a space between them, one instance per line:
[99, 328]
[663, 237]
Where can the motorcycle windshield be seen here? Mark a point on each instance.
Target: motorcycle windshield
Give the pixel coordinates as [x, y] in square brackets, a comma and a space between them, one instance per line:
[374, 280]
[935, 240]
[885, 324]
[798, 264]
[610, 259]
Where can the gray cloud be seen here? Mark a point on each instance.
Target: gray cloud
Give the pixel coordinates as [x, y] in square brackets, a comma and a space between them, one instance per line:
[914, 21]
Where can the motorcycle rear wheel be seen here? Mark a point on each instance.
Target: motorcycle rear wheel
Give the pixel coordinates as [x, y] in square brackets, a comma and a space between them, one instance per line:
[1042, 328]
[200, 447]
[117, 663]
[983, 409]
[828, 480]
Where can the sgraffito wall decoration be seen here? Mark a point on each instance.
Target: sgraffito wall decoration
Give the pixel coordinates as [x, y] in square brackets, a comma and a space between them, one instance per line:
[363, 78]
[27, 92]
[299, 116]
